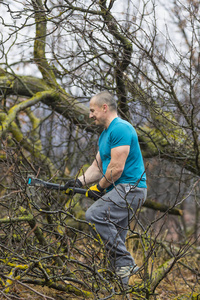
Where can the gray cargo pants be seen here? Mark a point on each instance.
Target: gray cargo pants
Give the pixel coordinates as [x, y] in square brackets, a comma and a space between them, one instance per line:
[111, 216]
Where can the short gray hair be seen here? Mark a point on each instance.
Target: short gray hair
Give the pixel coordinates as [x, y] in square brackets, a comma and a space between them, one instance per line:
[105, 97]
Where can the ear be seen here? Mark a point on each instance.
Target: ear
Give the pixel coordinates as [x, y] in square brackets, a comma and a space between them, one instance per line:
[105, 107]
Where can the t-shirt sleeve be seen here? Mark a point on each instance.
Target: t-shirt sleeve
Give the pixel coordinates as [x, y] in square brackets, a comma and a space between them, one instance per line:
[120, 136]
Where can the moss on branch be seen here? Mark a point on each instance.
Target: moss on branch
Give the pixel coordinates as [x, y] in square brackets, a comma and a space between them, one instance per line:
[57, 99]
[122, 62]
[8, 220]
[21, 106]
[65, 287]
[162, 207]
[40, 43]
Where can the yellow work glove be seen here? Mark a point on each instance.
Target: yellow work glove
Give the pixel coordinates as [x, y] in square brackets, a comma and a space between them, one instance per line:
[69, 185]
[95, 192]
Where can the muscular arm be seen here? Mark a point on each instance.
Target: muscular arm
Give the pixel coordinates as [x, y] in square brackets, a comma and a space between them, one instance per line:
[93, 173]
[116, 165]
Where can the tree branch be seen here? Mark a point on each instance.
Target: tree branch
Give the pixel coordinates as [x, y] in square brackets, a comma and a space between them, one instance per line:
[162, 207]
[41, 96]
[40, 43]
[122, 63]
[58, 100]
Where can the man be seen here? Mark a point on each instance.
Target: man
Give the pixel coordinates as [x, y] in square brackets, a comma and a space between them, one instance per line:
[119, 170]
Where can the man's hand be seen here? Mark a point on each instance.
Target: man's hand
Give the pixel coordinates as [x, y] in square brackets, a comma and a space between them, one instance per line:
[95, 192]
[70, 184]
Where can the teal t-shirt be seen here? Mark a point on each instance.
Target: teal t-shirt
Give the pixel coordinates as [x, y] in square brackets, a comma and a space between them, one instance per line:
[121, 133]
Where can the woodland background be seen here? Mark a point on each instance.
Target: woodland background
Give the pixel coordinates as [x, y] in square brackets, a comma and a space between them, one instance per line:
[55, 55]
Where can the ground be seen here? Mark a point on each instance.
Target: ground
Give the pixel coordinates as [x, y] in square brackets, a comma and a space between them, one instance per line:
[179, 284]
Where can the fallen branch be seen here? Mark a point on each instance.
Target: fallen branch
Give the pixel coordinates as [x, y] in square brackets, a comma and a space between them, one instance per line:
[162, 207]
[8, 220]
[64, 287]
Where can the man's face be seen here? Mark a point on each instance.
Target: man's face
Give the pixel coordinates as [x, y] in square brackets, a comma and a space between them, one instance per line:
[97, 113]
